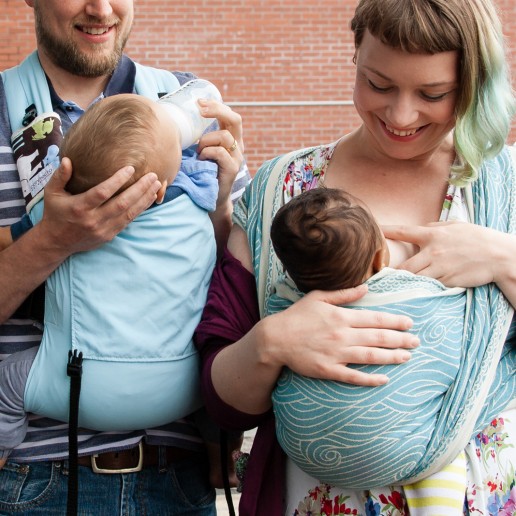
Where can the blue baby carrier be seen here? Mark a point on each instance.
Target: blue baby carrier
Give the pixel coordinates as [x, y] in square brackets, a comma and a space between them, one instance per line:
[185, 258]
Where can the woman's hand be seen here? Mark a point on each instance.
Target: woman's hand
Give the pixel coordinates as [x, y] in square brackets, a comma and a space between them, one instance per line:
[74, 223]
[226, 148]
[460, 254]
[315, 337]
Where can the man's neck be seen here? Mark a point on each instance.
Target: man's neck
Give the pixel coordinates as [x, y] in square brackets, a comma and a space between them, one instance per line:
[69, 87]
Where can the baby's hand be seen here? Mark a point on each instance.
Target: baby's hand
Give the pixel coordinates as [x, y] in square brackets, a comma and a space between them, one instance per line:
[2, 463]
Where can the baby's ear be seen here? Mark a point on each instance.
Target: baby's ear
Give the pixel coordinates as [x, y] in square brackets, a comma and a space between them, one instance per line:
[380, 260]
[161, 192]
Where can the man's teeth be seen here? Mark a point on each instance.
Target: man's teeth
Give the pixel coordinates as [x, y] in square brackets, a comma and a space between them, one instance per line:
[94, 31]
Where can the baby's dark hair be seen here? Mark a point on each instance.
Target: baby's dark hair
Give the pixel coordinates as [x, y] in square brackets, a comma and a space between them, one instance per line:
[325, 239]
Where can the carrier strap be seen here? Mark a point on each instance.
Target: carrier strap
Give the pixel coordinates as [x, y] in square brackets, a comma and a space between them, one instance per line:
[74, 371]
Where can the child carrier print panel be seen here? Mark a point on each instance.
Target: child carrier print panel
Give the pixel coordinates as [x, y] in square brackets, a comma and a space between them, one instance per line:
[36, 151]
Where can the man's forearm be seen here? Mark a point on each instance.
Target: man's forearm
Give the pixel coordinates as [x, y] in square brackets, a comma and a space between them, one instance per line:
[5, 237]
[24, 265]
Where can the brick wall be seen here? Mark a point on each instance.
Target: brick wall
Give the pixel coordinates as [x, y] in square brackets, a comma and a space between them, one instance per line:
[283, 51]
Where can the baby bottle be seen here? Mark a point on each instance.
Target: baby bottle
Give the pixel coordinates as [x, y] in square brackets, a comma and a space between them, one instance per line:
[182, 105]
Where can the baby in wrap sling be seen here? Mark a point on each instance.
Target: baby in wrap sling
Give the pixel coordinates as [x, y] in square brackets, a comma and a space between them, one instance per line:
[457, 381]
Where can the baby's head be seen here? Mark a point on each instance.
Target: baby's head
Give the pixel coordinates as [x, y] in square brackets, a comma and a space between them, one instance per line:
[117, 131]
[327, 240]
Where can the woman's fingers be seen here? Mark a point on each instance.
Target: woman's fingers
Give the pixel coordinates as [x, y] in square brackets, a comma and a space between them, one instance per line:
[347, 318]
[221, 146]
[223, 140]
[227, 118]
[412, 234]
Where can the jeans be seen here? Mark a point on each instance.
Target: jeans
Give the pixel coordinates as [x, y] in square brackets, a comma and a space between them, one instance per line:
[180, 489]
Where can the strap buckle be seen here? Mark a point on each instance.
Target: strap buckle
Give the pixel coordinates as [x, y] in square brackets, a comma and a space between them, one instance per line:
[135, 469]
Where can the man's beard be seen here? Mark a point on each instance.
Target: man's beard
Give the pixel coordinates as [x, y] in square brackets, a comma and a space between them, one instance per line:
[66, 54]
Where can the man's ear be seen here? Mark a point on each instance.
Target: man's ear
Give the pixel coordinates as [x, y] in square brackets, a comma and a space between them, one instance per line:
[161, 192]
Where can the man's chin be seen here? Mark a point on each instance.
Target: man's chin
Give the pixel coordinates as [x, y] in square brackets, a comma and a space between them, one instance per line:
[91, 65]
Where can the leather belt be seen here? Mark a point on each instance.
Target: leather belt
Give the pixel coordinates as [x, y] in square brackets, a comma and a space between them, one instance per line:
[134, 459]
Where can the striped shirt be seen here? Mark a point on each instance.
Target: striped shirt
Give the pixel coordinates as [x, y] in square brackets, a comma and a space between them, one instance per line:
[48, 439]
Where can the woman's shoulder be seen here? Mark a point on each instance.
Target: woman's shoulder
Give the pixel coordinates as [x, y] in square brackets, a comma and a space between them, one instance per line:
[298, 170]
[500, 165]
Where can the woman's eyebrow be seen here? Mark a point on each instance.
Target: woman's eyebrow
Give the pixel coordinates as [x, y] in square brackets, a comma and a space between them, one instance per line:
[428, 85]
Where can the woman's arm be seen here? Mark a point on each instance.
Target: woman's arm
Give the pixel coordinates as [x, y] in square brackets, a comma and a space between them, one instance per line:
[460, 254]
[217, 146]
[313, 337]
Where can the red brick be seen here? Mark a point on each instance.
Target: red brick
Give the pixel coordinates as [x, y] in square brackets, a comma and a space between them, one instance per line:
[254, 51]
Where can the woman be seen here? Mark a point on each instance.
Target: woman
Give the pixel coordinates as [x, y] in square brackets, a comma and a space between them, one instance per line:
[433, 94]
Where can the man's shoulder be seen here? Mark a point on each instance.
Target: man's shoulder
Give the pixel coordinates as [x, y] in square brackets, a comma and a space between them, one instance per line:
[183, 77]
[5, 127]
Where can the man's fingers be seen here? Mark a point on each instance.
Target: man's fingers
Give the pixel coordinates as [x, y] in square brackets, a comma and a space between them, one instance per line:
[138, 196]
[101, 193]
[60, 177]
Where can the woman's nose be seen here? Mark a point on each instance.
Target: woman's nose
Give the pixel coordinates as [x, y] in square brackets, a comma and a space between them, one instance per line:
[403, 112]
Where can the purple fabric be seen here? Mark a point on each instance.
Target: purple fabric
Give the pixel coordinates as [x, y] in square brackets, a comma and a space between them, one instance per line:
[231, 311]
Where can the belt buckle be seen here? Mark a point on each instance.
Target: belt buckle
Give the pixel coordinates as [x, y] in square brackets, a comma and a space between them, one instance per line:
[136, 468]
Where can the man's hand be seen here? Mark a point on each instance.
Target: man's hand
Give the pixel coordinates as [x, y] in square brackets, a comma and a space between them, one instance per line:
[74, 223]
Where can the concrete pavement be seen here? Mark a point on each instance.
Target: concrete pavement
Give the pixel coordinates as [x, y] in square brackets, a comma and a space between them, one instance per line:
[222, 506]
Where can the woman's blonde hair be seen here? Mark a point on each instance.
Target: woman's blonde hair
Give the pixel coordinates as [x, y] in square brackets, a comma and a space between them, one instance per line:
[485, 103]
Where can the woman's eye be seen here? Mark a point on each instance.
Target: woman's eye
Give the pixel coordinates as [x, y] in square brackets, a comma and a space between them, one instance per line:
[377, 88]
[434, 98]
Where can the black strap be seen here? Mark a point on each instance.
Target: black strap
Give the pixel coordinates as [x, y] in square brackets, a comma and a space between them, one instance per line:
[74, 371]
[33, 307]
[225, 470]
[30, 115]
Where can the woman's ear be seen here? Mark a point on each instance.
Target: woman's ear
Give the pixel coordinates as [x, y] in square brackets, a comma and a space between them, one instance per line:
[161, 192]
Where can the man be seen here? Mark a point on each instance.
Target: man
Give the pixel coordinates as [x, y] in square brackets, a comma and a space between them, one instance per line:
[80, 47]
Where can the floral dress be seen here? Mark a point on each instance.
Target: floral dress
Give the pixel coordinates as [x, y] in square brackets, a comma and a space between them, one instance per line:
[481, 481]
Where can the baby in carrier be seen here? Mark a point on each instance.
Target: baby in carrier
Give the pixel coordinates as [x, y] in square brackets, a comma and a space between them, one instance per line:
[130, 307]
